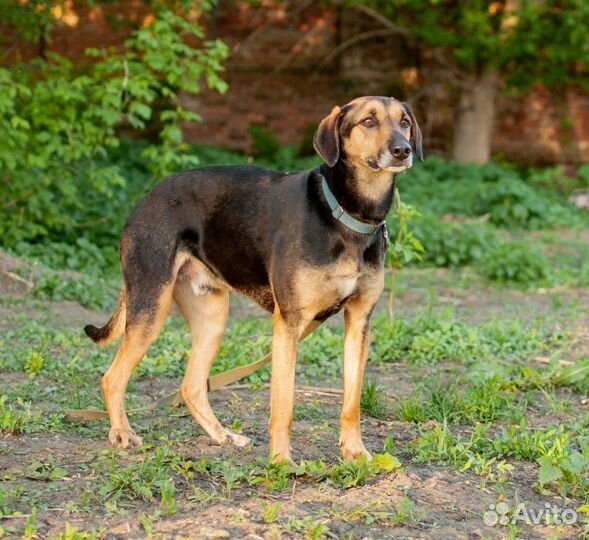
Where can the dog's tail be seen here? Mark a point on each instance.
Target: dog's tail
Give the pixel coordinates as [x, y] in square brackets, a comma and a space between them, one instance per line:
[114, 328]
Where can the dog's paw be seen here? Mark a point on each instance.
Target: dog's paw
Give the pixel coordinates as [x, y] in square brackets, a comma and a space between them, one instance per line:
[355, 451]
[240, 441]
[228, 438]
[124, 438]
[282, 459]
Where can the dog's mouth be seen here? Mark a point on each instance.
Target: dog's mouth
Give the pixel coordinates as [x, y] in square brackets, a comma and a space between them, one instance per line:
[390, 165]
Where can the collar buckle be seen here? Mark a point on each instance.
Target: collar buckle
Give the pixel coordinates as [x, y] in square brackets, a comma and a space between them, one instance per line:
[337, 212]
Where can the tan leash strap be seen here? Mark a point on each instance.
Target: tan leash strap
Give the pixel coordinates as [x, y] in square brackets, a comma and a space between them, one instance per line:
[230, 376]
[213, 383]
[81, 415]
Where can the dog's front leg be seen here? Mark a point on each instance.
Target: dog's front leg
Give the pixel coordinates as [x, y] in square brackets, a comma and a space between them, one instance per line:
[356, 344]
[285, 340]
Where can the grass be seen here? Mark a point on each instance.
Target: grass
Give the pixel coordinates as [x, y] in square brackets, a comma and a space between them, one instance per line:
[373, 401]
[484, 401]
[488, 395]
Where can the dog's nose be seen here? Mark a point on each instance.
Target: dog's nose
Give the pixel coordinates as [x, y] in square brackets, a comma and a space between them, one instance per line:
[401, 150]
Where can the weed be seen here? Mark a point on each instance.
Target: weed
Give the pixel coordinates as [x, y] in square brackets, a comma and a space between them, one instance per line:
[404, 248]
[441, 446]
[484, 402]
[202, 497]
[8, 502]
[148, 523]
[321, 354]
[72, 533]
[373, 400]
[13, 421]
[273, 476]
[34, 364]
[352, 473]
[145, 479]
[31, 526]
[516, 262]
[520, 443]
[370, 514]
[389, 445]
[312, 529]
[270, 512]
[168, 496]
[433, 338]
[48, 471]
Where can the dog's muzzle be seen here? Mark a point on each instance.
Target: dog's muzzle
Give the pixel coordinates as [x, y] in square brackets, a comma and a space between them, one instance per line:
[397, 156]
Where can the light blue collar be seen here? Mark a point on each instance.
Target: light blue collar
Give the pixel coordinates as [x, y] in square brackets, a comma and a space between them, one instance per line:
[343, 217]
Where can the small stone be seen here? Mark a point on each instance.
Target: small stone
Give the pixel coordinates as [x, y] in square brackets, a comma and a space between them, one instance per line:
[207, 532]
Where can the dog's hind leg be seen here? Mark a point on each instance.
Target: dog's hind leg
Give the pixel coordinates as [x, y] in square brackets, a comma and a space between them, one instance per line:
[139, 335]
[207, 315]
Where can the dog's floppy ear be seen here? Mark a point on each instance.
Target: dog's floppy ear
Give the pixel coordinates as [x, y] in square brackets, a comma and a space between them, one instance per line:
[416, 137]
[326, 140]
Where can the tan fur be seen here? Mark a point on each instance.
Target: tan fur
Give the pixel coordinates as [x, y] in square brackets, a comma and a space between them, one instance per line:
[136, 341]
[363, 143]
[317, 289]
[357, 340]
[285, 341]
[207, 315]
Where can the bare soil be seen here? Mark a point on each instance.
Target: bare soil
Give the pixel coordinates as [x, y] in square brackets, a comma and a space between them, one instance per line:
[447, 504]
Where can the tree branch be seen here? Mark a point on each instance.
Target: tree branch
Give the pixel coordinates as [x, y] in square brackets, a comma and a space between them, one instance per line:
[385, 21]
[364, 36]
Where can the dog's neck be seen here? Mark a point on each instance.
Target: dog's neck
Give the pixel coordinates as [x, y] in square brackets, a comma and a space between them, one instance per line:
[365, 194]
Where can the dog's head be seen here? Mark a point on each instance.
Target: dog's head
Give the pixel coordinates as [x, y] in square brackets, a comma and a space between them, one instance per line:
[379, 133]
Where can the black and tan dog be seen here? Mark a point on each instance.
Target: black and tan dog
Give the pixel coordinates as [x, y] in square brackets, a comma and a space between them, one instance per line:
[303, 246]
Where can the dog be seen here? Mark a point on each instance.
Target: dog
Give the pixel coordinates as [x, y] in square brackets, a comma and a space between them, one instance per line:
[303, 246]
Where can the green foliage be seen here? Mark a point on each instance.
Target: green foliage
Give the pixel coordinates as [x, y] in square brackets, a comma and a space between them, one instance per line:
[321, 353]
[47, 471]
[498, 193]
[404, 248]
[353, 473]
[453, 244]
[563, 455]
[431, 339]
[60, 124]
[373, 400]
[72, 533]
[143, 479]
[548, 37]
[521, 443]
[512, 203]
[264, 142]
[486, 401]
[438, 444]
[469, 213]
[514, 261]
[12, 420]
[89, 291]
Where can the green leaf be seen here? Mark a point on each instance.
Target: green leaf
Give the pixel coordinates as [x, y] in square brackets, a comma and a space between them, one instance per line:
[548, 472]
[384, 463]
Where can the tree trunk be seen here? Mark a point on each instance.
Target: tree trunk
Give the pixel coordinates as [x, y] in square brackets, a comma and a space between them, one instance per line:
[473, 129]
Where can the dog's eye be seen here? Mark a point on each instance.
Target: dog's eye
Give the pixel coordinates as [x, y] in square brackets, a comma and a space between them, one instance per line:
[405, 123]
[368, 122]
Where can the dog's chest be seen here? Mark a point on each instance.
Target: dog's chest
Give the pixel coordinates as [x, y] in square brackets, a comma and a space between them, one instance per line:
[321, 289]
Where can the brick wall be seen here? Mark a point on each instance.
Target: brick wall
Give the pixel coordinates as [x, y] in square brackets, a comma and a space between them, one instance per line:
[281, 74]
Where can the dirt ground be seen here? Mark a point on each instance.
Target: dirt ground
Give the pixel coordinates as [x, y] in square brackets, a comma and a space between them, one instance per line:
[445, 503]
